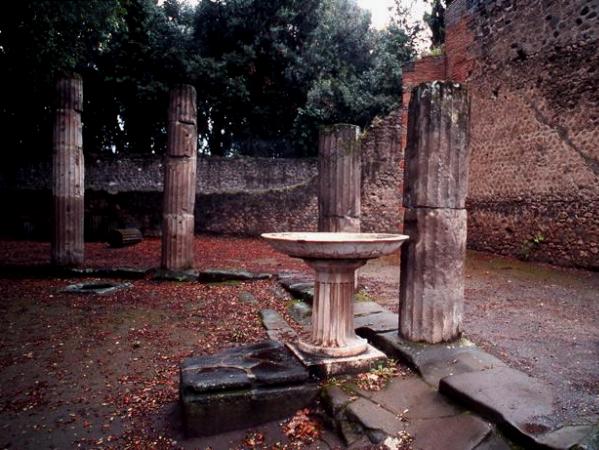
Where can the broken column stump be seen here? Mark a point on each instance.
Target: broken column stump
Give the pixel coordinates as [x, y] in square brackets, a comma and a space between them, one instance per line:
[339, 174]
[436, 184]
[180, 181]
[243, 387]
[68, 174]
[123, 237]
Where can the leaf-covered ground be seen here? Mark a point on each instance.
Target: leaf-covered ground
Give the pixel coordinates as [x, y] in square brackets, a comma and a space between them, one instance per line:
[102, 371]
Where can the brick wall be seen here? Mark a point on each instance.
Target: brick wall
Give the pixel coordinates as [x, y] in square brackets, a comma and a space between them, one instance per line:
[532, 71]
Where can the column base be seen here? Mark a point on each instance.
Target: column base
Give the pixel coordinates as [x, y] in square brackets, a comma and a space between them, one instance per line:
[354, 347]
[323, 366]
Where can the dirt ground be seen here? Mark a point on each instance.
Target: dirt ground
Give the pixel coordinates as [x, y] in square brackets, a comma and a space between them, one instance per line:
[102, 372]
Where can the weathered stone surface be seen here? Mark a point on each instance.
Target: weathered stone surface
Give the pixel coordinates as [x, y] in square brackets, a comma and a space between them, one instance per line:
[98, 288]
[174, 275]
[437, 361]
[339, 178]
[276, 327]
[436, 156]
[301, 312]
[328, 366]
[117, 272]
[220, 275]
[180, 181]
[568, 437]
[508, 397]
[302, 291]
[463, 432]
[242, 387]
[334, 400]
[414, 397]
[493, 442]
[455, 360]
[376, 422]
[367, 308]
[432, 274]
[368, 325]
[68, 174]
[247, 297]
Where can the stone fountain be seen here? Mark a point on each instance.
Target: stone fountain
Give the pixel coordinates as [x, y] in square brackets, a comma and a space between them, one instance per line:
[335, 258]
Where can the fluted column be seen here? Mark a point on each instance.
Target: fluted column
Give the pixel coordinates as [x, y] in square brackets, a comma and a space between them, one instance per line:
[68, 174]
[339, 173]
[180, 180]
[436, 184]
[332, 312]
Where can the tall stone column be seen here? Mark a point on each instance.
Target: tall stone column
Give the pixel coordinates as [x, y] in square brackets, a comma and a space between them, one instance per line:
[68, 174]
[436, 184]
[180, 180]
[339, 173]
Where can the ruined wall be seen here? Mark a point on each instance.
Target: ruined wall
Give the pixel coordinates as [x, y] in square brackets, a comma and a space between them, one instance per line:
[382, 175]
[239, 195]
[532, 71]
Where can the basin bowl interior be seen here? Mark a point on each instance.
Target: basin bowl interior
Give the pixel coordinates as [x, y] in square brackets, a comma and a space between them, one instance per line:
[335, 245]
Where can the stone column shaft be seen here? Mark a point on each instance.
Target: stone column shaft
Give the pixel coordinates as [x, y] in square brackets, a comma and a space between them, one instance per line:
[68, 174]
[436, 184]
[178, 220]
[339, 174]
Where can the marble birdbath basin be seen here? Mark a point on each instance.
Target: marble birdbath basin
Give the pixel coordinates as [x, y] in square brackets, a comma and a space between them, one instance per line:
[335, 258]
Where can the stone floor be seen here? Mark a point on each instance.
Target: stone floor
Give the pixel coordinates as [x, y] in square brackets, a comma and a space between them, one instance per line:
[520, 406]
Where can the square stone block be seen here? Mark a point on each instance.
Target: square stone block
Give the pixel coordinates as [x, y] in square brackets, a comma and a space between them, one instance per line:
[328, 366]
[243, 387]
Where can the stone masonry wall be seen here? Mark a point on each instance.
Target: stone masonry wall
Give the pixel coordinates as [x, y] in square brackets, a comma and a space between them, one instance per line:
[382, 175]
[239, 196]
[531, 67]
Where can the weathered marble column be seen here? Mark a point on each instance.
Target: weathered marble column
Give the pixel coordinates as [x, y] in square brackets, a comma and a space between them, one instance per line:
[68, 174]
[436, 184]
[339, 173]
[180, 180]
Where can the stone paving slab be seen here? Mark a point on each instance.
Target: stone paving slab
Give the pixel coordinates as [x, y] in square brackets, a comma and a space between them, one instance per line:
[461, 432]
[414, 399]
[436, 361]
[301, 312]
[493, 442]
[520, 404]
[277, 328]
[571, 437]
[222, 275]
[378, 423]
[404, 405]
[242, 387]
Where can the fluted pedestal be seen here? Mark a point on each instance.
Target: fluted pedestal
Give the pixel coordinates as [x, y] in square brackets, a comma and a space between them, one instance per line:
[332, 311]
[180, 181]
[436, 184]
[68, 174]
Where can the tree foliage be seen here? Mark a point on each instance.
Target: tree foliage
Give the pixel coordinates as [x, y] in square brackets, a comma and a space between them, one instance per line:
[436, 21]
[268, 72]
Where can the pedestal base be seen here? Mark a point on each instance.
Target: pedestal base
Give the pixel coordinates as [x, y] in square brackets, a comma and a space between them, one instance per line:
[353, 347]
[323, 366]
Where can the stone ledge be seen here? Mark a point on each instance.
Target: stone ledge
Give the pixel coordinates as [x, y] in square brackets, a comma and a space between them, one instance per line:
[223, 275]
